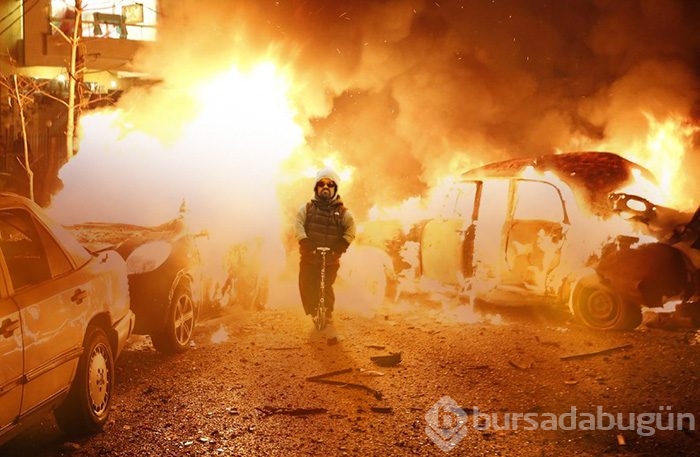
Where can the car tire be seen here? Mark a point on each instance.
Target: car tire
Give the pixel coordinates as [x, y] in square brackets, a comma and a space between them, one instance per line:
[695, 318]
[599, 307]
[86, 409]
[175, 337]
[690, 310]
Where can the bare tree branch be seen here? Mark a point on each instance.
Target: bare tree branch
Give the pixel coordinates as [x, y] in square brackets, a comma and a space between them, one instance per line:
[68, 39]
[23, 124]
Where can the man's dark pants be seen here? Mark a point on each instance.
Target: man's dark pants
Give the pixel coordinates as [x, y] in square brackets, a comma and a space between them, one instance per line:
[310, 285]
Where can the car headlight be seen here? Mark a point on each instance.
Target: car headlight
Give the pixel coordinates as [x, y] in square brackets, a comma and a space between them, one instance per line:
[148, 257]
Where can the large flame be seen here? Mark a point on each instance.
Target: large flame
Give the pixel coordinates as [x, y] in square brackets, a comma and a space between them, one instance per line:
[668, 144]
[228, 147]
[665, 148]
[226, 138]
[664, 151]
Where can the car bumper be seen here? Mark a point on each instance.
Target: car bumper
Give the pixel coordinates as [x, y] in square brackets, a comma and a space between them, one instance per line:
[123, 329]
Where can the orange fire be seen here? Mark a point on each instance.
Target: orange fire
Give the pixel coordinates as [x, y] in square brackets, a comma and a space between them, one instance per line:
[664, 149]
[664, 152]
[223, 146]
[668, 145]
[216, 146]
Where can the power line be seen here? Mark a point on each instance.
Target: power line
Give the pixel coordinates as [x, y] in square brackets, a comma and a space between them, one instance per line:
[36, 2]
[11, 13]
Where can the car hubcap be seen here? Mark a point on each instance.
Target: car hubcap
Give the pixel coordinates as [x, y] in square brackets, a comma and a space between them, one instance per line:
[601, 306]
[184, 319]
[98, 380]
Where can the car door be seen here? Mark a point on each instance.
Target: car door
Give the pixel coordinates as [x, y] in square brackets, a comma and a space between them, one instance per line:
[11, 364]
[53, 302]
[534, 234]
[447, 240]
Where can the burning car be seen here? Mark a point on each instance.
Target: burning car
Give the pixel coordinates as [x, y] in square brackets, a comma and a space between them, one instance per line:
[651, 274]
[550, 230]
[164, 283]
[64, 319]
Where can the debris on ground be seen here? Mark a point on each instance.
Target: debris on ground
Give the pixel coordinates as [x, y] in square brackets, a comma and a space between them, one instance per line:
[521, 365]
[353, 385]
[382, 409]
[270, 410]
[595, 353]
[389, 360]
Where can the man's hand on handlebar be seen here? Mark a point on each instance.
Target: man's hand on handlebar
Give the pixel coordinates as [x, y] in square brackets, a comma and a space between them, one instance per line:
[341, 246]
[306, 246]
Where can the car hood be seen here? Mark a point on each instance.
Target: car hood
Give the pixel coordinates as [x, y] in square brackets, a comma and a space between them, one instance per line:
[124, 238]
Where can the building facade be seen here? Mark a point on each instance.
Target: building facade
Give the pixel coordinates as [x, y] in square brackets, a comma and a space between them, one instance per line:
[35, 42]
[34, 32]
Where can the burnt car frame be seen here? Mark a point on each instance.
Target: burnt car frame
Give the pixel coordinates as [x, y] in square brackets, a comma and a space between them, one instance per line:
[64, 319]
[494, 242]
[664, 269]
[164, 284]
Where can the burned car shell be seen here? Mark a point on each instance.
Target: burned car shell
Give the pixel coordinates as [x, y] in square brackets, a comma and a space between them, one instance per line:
[498, 244]
[492, 247]
[649, 274]
[64, 319]
[163, 284]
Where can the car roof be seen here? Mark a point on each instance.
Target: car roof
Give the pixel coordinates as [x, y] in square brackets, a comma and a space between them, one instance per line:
[593, 175]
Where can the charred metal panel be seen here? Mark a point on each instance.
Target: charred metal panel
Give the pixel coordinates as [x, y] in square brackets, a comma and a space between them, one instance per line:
[647, 274]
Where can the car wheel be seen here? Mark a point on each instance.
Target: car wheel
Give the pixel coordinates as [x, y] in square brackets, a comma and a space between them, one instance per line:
[87, 406]
[690, 310]
[695, 318]
[599, 307]
[177, 334]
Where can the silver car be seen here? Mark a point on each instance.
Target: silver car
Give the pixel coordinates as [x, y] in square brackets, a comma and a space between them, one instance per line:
[64, 318]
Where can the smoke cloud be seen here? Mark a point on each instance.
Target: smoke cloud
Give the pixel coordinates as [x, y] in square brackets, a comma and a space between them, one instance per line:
[406, 90]
[399, 93]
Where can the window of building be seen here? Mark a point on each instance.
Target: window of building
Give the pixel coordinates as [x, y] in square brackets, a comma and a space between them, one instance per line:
[117, 19]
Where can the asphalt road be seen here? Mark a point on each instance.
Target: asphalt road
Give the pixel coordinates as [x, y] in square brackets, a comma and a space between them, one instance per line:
[499, 382]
